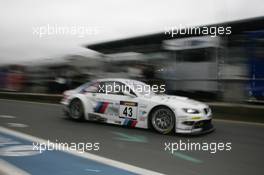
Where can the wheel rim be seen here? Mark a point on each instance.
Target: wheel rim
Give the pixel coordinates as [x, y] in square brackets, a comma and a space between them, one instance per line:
[76, 109]
[162, 120]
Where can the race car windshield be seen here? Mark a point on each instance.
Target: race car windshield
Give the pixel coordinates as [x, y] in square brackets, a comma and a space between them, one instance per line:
[83, 86]
[141, 88]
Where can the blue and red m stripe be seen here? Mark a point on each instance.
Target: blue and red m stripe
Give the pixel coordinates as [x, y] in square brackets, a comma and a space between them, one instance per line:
[101, 107]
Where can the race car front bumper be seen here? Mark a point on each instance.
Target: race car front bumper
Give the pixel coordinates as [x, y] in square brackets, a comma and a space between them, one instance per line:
[195, 127]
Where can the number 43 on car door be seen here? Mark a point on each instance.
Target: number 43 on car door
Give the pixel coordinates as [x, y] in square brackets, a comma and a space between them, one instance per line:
[128, 110]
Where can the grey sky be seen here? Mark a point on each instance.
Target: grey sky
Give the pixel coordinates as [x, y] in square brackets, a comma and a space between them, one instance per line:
[114, 19]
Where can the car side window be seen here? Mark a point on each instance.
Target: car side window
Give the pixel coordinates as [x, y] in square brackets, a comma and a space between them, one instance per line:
[113, 87]
[93, 88]
[101, 88]
[109, 87]
[117, 88]
[128, 89]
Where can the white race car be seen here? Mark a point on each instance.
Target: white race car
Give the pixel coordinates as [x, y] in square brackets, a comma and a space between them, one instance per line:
[129, 103]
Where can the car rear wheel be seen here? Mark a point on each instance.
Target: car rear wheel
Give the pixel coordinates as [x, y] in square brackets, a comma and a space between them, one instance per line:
[163, 120]
[76, 109]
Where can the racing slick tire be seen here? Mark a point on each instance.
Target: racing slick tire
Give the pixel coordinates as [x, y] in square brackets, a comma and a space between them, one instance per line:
[76, 110]
[162, 120]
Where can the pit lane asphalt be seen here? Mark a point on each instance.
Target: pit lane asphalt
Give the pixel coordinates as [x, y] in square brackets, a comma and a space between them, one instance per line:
[147, 150]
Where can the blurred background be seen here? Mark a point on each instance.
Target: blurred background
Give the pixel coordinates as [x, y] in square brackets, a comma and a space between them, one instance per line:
[222, 68]
[49, 46]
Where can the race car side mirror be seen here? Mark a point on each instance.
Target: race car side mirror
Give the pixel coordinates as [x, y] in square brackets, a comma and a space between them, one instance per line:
[127, 93]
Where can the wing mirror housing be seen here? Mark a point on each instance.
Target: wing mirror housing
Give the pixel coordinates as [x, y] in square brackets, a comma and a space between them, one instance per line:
[127, 93]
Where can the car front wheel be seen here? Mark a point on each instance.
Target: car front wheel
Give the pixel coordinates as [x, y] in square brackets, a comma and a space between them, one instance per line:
[163, 120]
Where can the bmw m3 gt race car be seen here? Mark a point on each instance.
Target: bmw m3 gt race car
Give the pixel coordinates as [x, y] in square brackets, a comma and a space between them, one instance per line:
[133, 103]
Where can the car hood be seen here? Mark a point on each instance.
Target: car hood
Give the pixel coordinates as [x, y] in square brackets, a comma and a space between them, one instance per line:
[177, 101]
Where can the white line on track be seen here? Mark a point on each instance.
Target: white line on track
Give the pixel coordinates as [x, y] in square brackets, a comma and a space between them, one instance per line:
[17, 125]
[9, 169]
[85, 155]
[92, 170]
[7, 116]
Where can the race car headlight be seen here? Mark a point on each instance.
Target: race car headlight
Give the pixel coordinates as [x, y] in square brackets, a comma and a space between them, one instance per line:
[191, 111]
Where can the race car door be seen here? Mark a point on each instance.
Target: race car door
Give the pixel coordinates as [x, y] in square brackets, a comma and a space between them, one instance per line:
[114, 104]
